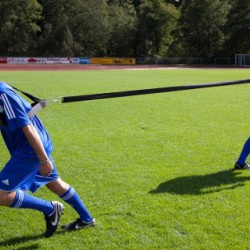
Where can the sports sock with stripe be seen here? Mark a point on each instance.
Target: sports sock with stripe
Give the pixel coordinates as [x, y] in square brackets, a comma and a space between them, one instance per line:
[24, 200]
[73, 199]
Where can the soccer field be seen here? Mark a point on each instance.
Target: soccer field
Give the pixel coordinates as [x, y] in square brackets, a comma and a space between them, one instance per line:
[156, 171]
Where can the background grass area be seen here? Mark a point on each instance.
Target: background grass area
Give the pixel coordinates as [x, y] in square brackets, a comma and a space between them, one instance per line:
[155, 171]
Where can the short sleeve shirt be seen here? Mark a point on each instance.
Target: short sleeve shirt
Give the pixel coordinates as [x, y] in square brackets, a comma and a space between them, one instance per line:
[15, 110]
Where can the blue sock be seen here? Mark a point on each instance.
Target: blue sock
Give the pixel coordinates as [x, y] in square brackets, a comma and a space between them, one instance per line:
[73, 199]
[245, 152]
[24, 200]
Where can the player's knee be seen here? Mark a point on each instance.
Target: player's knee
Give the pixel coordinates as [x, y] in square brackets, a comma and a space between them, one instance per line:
[6, 198]
[58, 186]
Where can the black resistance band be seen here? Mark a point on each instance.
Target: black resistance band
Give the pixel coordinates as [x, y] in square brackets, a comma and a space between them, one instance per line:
[80, 98]
[40, 104]
[31, 97]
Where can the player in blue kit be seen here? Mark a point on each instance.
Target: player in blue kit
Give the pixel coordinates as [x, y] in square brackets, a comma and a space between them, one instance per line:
[31, 165]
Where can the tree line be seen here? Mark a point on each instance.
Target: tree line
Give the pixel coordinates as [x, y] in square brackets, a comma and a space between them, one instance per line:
[125, 28]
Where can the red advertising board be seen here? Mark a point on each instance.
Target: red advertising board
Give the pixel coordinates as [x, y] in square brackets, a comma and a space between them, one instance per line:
[3, 59]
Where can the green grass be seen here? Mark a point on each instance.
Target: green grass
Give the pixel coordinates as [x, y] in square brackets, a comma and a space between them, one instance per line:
[155, 171]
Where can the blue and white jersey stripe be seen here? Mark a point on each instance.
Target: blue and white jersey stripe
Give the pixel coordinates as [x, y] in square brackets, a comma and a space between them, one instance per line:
[7, 107]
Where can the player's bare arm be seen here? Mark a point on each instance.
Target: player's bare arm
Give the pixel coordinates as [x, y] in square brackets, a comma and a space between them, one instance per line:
[33, 138]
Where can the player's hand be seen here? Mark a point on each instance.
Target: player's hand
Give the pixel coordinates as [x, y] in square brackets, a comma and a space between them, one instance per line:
[46, 168]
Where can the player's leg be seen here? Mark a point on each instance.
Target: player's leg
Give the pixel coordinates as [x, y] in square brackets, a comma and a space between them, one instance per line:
[17, 175]
[69, 195]
[6, 198]
[22, 200]
[241, 162]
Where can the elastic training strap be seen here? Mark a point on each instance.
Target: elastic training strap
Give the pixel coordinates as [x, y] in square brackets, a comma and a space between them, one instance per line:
[31, 97]
[79, 98]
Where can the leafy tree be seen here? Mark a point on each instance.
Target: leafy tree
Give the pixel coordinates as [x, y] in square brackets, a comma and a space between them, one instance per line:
[238, 28]
[157, 20]
[122, 28]
[202, 25]
[136, 2]
[86, 28]
[177, 3]
[18, 26]
[56, 37]
[90, 27]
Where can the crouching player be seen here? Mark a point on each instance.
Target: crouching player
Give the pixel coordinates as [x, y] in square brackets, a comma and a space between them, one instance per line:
[31, 165]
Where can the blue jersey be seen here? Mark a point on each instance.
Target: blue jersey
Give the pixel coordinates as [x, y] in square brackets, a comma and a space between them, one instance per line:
[15, 110]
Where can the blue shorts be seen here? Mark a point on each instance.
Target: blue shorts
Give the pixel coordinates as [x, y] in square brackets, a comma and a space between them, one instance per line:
[22, 173]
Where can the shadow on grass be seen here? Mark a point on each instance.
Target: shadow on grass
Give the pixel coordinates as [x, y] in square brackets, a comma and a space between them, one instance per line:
[20, 240]
[202, 184]
[31, 247]
[25, 239]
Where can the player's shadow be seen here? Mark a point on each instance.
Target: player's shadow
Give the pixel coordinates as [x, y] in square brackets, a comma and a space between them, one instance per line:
[15, 241]
[19, 240]
[202, 184]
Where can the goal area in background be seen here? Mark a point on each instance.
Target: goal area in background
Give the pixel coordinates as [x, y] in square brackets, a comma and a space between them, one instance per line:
[242, 60]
